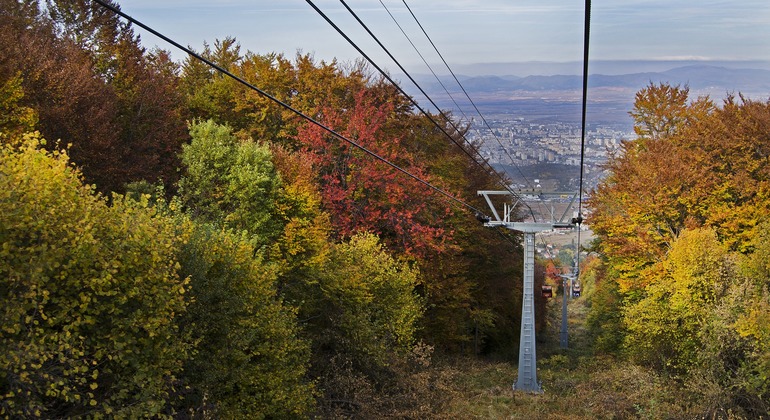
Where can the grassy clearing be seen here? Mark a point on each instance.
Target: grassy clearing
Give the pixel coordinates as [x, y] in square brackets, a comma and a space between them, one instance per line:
[576, 384]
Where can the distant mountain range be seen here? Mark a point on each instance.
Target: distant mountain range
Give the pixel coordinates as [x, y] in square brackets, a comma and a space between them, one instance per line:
[611, 96]
[700, 78]
[608, 67]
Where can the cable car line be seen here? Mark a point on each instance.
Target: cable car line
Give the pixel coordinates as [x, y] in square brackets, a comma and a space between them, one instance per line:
[397, 86]
[490, 169]
[447, 91]
[288, 107]
[478, 111]
[466, 94]
[586, 39]
[424, 60]
[586, 43]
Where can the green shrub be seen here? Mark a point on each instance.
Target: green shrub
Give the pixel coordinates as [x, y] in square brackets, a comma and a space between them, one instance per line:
[249, 362]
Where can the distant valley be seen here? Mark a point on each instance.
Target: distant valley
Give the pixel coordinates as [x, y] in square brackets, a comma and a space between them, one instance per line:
[557, 97]
[536, 118]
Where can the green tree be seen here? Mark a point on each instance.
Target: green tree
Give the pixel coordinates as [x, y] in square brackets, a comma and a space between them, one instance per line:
[356, 193]
[248, 361]
[208, 93]
[605, 320]
[230, 181]
[355, 302]
[363, 324]
[376, 309]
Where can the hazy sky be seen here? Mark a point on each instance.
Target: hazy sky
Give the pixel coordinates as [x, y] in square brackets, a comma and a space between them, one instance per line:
[472, 31]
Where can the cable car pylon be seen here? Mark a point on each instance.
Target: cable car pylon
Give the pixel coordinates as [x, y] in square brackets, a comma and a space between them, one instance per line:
[527, 372]
[567, 282]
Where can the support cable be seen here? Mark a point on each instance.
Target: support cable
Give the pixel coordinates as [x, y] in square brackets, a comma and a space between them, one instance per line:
[465, 92]
[397, 86]
[586, 40]
[490, 169]
[299, 113]
[424, 60]
[478, 111]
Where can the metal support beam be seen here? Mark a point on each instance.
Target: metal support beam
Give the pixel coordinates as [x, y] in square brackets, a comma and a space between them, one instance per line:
[527, 379]
[567, 289]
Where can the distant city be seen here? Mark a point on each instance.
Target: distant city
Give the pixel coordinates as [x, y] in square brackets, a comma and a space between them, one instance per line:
[535, 120]
[518, 145]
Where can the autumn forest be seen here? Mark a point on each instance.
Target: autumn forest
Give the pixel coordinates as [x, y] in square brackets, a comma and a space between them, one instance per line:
[174, 244]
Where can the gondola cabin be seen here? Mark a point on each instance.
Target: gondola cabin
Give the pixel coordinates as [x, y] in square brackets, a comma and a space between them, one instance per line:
[576, 290]
[547, 291]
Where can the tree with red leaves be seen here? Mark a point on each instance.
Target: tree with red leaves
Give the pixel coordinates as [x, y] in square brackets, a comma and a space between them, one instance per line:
[365, 194]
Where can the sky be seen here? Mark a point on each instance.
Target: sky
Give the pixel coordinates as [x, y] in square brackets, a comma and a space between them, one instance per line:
[470, 31]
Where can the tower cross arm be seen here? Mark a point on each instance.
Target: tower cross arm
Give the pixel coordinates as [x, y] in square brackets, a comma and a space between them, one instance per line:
[497, 219]
[503, 218]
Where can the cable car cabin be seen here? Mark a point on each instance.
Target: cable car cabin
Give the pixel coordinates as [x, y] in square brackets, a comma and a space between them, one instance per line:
[576, 290]
[547, 291]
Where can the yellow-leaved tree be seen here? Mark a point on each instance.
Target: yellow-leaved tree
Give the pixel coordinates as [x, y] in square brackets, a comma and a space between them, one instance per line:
[88, 295]
[683, 204]
[666, 326]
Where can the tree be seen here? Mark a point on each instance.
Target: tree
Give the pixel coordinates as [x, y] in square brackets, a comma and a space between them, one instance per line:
[90, 293]
[375, 310]
[662, 110]
[732, 145]
[364, 194]
[753, 320]
[605, 321]
[15, 119]
[666, 326]
[356, 193]
[248, 361]
[60, 86]
[362, 314]
[230, 181]
[670, 245]
[304, 248]
[208, 93]
[637, 223]
[93, 86]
